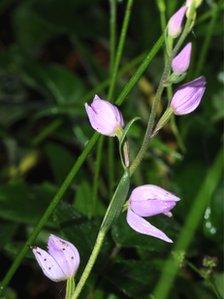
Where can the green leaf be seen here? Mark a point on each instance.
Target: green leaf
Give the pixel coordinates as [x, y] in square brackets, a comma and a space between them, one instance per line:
[117, 202]
[84, 201]
[60, 159]
[22, 203]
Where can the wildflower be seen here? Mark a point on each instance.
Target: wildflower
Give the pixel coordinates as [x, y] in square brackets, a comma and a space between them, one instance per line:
[188, 96]
[181, 62]
[175, 22]
[104, 117]
[147, 201]
[60, 262]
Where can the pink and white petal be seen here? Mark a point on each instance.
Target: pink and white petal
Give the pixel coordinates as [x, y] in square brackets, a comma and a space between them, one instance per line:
[147, 208]
[142, 226]
[65, 253]
[146, 192]
[48, 265]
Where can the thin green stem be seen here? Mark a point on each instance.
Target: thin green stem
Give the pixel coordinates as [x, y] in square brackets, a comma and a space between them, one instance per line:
[113, 30]
[90, 264]
[120, 48]
[140, 71]
[70, 286]
[207, 41]
[151, 121]
[111, 169]
[199, 205]
[162, 84]
[96, 179]
[68, 180]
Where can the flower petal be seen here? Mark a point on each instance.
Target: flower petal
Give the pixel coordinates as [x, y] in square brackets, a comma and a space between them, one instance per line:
[65, 253]
[146, 192]
[48, 264]
[147, 208]
[142, 226]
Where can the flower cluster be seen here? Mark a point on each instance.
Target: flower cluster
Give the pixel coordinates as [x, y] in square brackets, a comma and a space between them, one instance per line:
[61, 261]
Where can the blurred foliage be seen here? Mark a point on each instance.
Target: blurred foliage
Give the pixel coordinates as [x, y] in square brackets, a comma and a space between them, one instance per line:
[52, 53]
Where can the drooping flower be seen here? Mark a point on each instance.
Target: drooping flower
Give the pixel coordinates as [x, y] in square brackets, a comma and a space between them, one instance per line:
[60, 262]
[188, 96]
[147, 201]
[104, 117]
[181, 61]
[175, 22]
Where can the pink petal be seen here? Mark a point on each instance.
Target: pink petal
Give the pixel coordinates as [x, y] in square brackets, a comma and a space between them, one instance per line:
[142, 226]
[146, 192]
[147, 208]
[65, 253]
[48, 264]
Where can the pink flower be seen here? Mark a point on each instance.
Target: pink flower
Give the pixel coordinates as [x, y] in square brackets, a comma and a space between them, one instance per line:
[181, 62]
[60, 262]
[188, 96]
[175, 22]
[147, 201]
[104, 117]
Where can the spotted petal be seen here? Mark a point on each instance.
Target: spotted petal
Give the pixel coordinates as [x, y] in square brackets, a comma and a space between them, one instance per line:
[48, 264]
[65, 253]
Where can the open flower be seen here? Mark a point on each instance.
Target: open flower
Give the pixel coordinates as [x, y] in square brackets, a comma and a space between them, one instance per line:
[175, 22]
[60, 262]
[147, 201]
[104, 117]
[188, 96]
[181, 61]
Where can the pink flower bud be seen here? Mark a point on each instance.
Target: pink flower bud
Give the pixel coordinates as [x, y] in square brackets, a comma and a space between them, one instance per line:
[181, 62]
[60, 262]
[188, 96]
[104, 117]
[147, 201]
[175, 22]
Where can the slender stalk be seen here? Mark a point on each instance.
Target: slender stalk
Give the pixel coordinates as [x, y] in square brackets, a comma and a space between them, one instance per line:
[96, 179]
[111, 169]
[162, 84]
[120, 47]
[70, 286]
[207, 41]
[90, 264]
[151, 121]
[113, 30]
[73, 172]
[200, 203]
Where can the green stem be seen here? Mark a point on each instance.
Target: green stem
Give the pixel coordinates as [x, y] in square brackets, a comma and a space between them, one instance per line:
[68, 180]
[70, 286]
[96, 179]
[163, 80]
[151, 121]
[111, 169]
[199, 205]
[120, 48]
[90, 264]
[113, 30]
[208, 36]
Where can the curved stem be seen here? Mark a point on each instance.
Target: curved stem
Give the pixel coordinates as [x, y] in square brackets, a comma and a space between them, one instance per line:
[90, 264]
